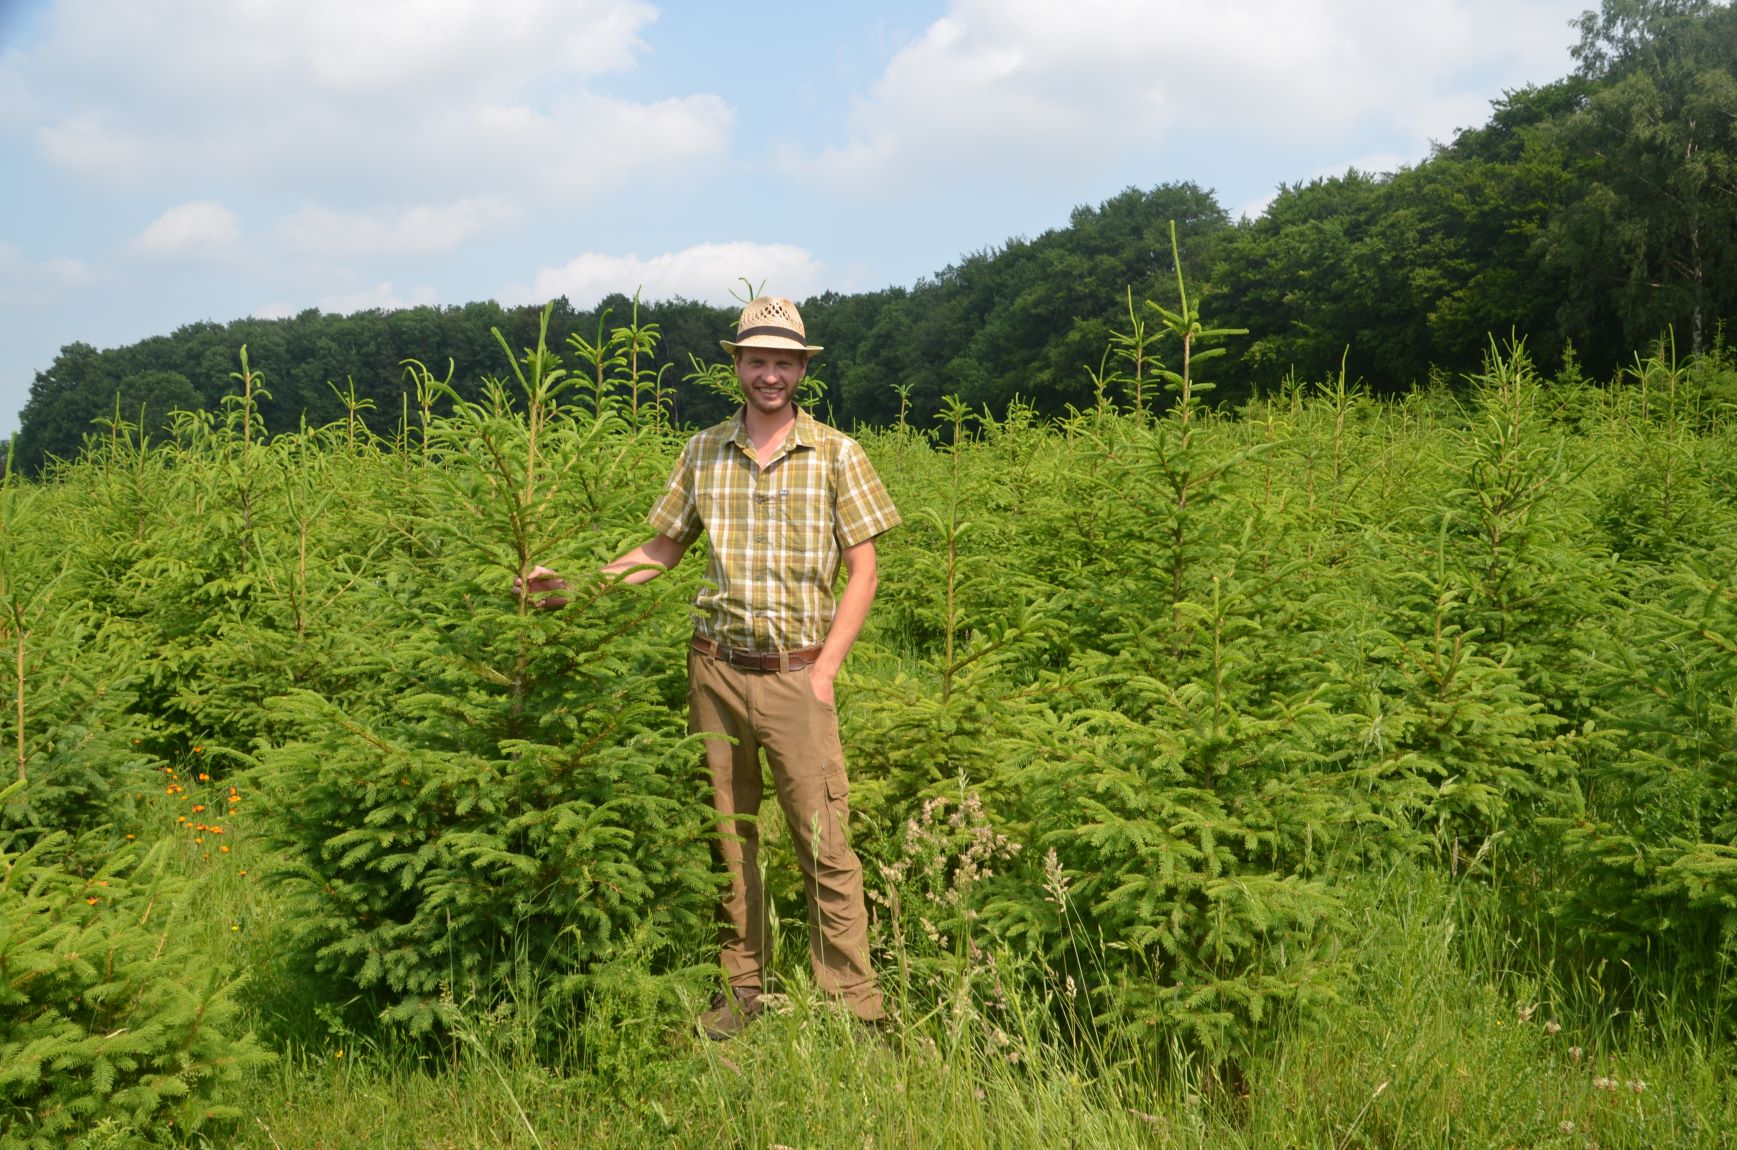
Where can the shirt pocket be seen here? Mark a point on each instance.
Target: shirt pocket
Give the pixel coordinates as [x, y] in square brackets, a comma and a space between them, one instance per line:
[804, 519]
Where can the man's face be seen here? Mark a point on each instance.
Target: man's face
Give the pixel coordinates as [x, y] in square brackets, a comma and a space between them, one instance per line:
[769, 376]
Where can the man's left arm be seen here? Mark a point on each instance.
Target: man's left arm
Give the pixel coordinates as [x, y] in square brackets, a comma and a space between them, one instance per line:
[847, 619]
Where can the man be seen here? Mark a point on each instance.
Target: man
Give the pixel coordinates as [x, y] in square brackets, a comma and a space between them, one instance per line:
[785, 500]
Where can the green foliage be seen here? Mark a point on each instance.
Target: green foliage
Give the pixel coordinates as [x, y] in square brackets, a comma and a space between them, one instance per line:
[1655, 220]
[69, 741]
[975, 711]
[1650, 847]
[109, 1018]
[1149, 687]
[1197, 794]
[511, 789]
[1211, 665]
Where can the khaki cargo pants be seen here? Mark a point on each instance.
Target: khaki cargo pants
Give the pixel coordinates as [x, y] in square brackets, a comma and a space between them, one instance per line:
[777, 711]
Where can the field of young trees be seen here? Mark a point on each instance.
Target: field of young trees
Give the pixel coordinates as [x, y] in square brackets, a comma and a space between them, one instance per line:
[1327, 770]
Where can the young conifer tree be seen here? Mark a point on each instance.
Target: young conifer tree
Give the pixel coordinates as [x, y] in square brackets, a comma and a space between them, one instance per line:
[110, 1018]
[514, 796]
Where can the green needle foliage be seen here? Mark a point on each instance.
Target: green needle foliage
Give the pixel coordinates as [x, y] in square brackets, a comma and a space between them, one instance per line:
[70, 743]
[109, 1015]
[513, 790]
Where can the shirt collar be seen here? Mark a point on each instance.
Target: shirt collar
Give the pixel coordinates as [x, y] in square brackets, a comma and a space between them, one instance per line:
[805, 433]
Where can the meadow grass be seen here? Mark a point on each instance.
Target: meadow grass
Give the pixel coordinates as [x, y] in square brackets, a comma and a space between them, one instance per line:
[1454, 1036]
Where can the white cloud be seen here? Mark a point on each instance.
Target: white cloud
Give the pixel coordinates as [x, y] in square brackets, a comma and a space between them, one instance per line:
[24, 280]
[418, 230]
[85, 145]
[708, 272]
[584, 145]
[358, 46]
[384, 296]
[202, 227]
[354, 97]
[1046, 92]
[381, 295]
[16, 106]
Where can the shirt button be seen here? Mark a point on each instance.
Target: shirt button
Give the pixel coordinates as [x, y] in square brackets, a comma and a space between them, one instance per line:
[759, 539]
[761, 498]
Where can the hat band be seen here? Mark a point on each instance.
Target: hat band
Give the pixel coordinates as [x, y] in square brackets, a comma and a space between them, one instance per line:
[783, 332]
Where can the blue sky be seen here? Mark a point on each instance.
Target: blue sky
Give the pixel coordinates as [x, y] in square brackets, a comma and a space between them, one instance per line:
[172, 161]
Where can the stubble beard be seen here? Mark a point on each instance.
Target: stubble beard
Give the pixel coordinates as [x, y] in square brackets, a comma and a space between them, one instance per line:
[770, 402]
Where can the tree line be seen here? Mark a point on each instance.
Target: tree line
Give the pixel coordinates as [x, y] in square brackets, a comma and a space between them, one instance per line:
[1590, 216]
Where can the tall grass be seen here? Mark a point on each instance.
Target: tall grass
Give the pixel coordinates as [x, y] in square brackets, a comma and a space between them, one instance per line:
[1453, 1038]
[1463, 1028]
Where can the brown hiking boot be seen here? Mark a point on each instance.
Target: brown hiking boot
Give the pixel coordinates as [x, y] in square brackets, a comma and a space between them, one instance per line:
[730, 1013]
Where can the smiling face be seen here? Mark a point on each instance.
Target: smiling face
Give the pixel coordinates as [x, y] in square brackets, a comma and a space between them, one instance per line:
[769, 376]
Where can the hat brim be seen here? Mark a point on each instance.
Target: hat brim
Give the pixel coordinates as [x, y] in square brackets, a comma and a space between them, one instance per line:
[770, 341]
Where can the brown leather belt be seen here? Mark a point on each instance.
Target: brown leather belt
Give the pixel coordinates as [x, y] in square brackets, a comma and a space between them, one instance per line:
[757, 660]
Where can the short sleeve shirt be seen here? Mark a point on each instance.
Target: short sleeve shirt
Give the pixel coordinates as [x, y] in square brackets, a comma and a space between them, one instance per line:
[777, 532]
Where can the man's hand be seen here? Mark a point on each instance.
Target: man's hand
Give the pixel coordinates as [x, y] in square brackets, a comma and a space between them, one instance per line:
[640, 565]
[821, 682]
[847, 620]
[537, 587]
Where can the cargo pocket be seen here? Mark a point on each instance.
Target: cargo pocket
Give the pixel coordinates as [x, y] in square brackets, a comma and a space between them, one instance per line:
[837, 853]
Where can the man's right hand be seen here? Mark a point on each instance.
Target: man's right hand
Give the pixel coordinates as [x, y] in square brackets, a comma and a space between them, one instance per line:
[537, 586]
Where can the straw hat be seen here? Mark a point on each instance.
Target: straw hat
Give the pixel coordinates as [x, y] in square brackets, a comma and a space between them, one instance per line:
[769, 321]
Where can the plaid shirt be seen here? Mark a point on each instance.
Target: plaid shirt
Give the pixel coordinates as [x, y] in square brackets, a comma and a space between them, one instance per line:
[776, 532]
